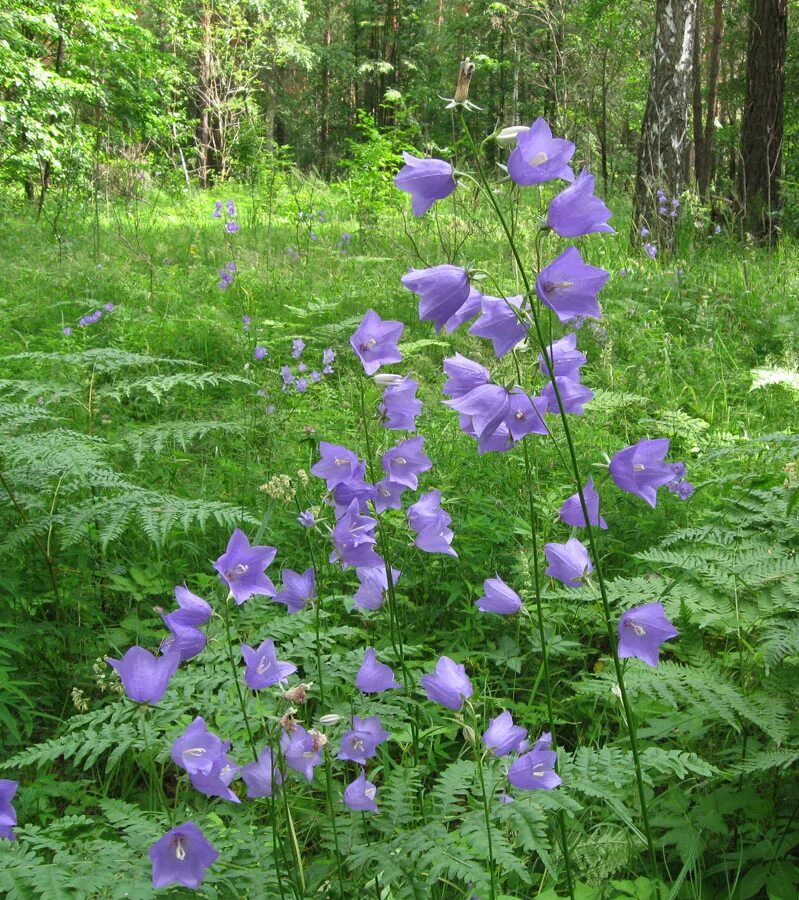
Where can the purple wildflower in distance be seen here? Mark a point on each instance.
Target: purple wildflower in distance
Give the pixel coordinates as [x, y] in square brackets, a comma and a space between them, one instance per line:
[426, 180]
[577, 210]
[569, 287]
[246, 321]
[260, 352]
[302, 367]
[641, 469]
[197, 749]
[241, 568]
[109, 307]
[232, 227]
[535, 771]
[405, 462]
[442, 291]
[262, 776]
[306, 518]
[568, 563]
[375, 341]
[67, 331]
[499, 323]
[642, 630]
[298, 590]
[145, 677]
[328, 356]
[297, 346]
[301, 385]
[287, 375]
[263, 667]
[651, 250]
[8, 815]
[373, 676]
[360, 794]
[301, 751]
[571, 512]
[502, 736]
[400, 407]
[231, 208]
[217, 213]
[538, 157]
[449, 685]
[360, 743]
[499, 598]
[181, 856]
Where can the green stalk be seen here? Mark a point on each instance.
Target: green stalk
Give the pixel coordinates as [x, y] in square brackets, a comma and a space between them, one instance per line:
[486, 803]
[236, 675]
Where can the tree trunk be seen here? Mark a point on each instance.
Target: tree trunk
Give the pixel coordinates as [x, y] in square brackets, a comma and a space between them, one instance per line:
[47, 170]
[661, 153]
[206, 74]
[697, 92]
[761, 131]
[706, 164]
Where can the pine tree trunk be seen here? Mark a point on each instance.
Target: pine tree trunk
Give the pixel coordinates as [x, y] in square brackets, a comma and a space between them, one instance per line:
[761, 131]
[661, 153]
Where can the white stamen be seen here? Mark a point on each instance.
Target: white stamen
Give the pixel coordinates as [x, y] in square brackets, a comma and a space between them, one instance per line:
[538, 159]
[180, 849]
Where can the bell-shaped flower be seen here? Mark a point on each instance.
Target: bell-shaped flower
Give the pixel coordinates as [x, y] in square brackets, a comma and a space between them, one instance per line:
[241, 567]
[361, 741]
[373, 585]
[502, 736]
[197, 750]
[642, 469]
[569, 287]
[642, 630]
[576, 210]
[426, 180]
[337, 465]
[186, 640]
[400, 407]
[145, 677]
[181, 856]
[360, 794]
[572, 395]
[355, 488]
[263, 667]
[463, 376]
[525, 414]
[468, 311]
[193, 609]
[375, 342]
[8, 815]
[388, 495]
[353, 539]
[298, 590]
[500, 323]
[442, 291]
[302, 751]
[431, 524]
[216, 783]
[568, 562]
[486, 405]
[373, 676]
[499, 598]
[261, 776]
[449, 685]
[539, 157]
[535, 771]
[405, 462]
[564, 357]
[571, 512]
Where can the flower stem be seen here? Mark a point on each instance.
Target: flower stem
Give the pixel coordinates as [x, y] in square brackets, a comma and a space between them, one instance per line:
[235, 673]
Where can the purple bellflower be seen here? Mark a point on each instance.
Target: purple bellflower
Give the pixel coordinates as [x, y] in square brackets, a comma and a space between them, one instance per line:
[500, 324]
[262, 776]
[642, 630]
[525, 415]
[263, 667]
[337, 465]
[354, 488]
[145, 677]
[193, 609]
[486, 406]
[569, 287]
[181, 856]
[535, 771]
[572, 395]
[297, 346]
[198, 749]
[373, 676]
[353, 539]
[241, 567]
[499, 598]
[360, 743]
[566, 359]
[187, 640]
[8, 815]
[449, 685]
[373, 585]
[468, 311]
[431, 524]
[641, 469]
[577, 210]
[502, 736]
[260, 352]
[360, 794]
[405, 462]
[216, 783]
[426, 180]
[571, 512]
[388, 495]
[306, 518]
[400, 407]
[568, 562]
[302, 751]
[375, 341]
[442, 291]
[298, 590]
[463, 376]
[538, 157]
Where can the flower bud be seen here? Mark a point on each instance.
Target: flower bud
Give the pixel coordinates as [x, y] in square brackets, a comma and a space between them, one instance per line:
[298, 693]
[387, 379]
[468, 734]
[330, 719]
[508, 136]
[464, 80]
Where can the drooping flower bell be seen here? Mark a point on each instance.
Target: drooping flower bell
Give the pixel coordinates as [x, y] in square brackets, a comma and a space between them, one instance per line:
[499, 598]
[426, 180]
[442, 291]
[373, 585]
[641, 469]
[360, 794]
[500, 323]
[571, 512]
[568, 563]
[400, 407]
[539, 157]
[298, 589]
[374, 677]
[431, 523]
[569, 287]
[181, 856]
[576, 210]
[375, 341]
[642, 630]
[535, 771]
[145, 677]
[8, 815]
[261, 776]
[502, 736]
[241, 567]
[216, 783]
[449, 685]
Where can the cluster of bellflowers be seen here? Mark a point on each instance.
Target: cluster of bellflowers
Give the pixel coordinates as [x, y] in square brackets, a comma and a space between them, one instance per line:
[297, 376]
[90, 318]
[228, 212]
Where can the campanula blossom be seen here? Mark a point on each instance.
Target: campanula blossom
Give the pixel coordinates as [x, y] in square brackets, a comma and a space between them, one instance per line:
[241, 567]
[360, 794]
[463, 376]
[301, 385]
[263, 667]
[181, 856]
[576, 210]
[67, 331]
[449, 685]
[302, 751]
[535, 771]
[361, 742]
[641, 469]
[431, 524]
[306, 518]
[499, 598]
[651, 249]
[426, 180]
[187, 640]
[486, 405]
[298, 590]
[500, 323]
[216, 783]
[468, 311]
[568, 563]
[260, 352]
[353, 539]
[145, 677]
[328, 356]
[373, 676]
[642, 630]
[217, 213]
[198, 749]
[571, 512]
[355, 488]
[232, 227]
[337, 464]
[297, 346]
[388, 495]
[261, 776]
[572, 395]
[569, 287]
[502, 736]
[193, 609]
[525, 414]
[375, 342]
[400, 406]
[539, 157]
[8, 815]
[564, 356]
[406, 461]
[442, 291]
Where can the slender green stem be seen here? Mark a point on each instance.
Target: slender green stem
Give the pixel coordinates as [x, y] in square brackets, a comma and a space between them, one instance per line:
[329, 792]
[317, 613]
[478, 761]
[234, 670]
